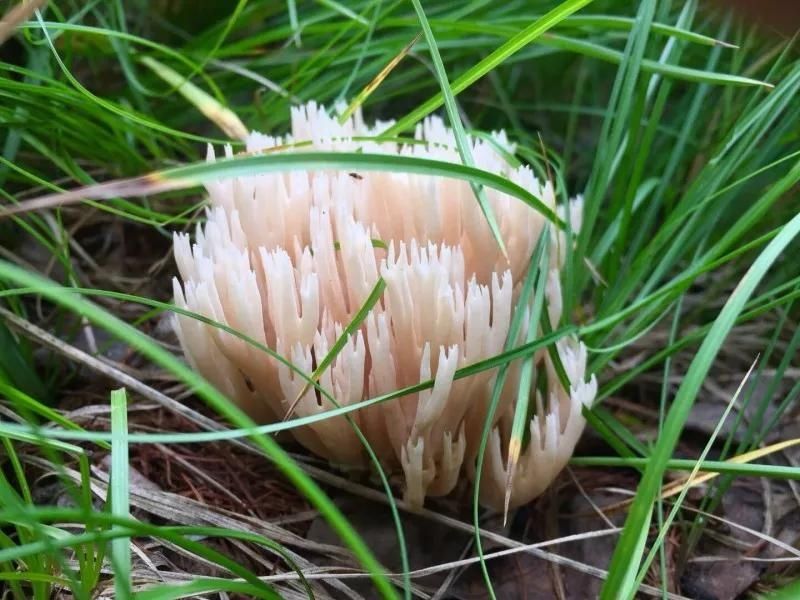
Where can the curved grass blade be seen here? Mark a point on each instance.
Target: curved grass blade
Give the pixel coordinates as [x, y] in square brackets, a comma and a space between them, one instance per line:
[497, 389]
[603, 22]
[494, 362]
[648, 65]
[625, 24]
[457, 126]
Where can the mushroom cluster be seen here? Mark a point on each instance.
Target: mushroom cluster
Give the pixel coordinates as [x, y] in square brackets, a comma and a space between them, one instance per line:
[289, 258]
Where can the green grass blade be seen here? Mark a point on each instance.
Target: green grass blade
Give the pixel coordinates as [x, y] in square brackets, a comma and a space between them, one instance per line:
[196, 174]
[521, 418]
[628, 553]
[358, 318]
[462, 143]
[511, 47]
[659, 541]
[120, 496]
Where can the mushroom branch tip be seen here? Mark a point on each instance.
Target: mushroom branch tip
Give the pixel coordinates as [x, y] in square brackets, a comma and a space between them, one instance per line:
[289, 260]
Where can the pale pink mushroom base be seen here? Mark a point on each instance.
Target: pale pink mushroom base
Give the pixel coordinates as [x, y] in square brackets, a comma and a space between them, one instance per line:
[289, 258]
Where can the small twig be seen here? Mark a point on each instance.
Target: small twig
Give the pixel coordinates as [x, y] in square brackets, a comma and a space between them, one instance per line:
[16, 16]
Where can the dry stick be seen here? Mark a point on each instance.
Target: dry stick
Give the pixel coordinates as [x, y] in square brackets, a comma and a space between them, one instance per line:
[319, 474]
[16, 15]
[453, 574]
[588, 499]
[200, 473]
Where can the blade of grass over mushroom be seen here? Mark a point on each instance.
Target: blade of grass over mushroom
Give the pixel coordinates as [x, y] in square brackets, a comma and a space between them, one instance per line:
[120, 501]
[497, 388]
[627, 556]
[196, 174]
[165, 307]
[220, 115]
[511, 47]
[362, 96]
[206, 391]
[358, 318]
[539, 263]
[462, 143]
[517, 352]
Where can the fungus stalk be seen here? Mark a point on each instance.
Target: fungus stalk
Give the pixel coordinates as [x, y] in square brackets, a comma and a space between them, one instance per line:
[289, 258]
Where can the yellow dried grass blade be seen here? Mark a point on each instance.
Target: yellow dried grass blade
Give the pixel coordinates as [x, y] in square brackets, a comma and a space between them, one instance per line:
[220, 115]
[537, 272]
[678, 486]
[377, 80]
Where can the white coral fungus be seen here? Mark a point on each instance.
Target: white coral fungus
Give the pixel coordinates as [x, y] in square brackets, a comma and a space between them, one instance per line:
[289, 258]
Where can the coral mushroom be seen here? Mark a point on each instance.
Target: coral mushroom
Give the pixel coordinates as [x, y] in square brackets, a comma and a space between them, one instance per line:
[289, 258]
